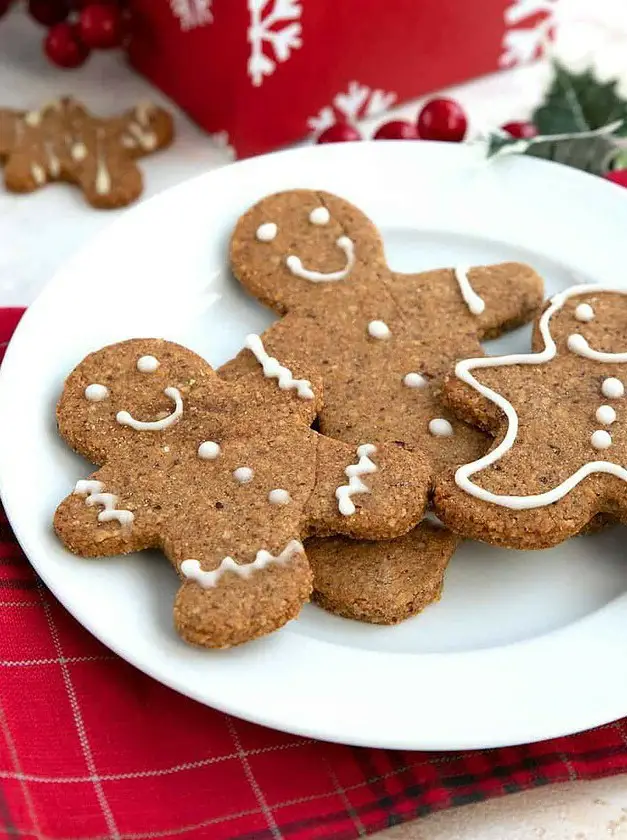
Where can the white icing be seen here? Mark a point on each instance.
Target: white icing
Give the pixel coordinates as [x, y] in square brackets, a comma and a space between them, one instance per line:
[612, 388]
[601, 439]
[462, 371]
[207, 580]
[267, 231]
[146, 139]
[475, 304]
[33, 119]
[208, 450]
[128, 142]
[143, 111]
[147, 364]
[578, 345]
[243, 474]
[605, 414]
[38, 173]
[319, 216]
[93, 490]
[96, 393]
[439, 427]
[102, 183]
[125, 419]
[274, 370]
[379, 329]
[295, 265]
[415, 380]
[355, 485]
[279, 497]
[54, 164]
[584, 312]
[78, 152]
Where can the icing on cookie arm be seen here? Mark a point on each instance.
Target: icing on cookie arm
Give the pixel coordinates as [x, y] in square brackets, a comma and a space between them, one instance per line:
[366, 489]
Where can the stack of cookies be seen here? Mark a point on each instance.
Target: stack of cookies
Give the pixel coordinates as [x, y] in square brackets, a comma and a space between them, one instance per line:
[258, 512]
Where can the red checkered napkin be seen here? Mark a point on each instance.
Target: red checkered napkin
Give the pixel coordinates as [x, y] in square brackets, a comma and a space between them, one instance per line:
[90, 748]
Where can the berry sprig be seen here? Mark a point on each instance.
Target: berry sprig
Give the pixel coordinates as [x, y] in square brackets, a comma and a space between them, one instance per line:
[76, 27]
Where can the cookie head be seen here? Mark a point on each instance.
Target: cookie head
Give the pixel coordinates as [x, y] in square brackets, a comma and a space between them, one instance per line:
[294, 248]
[129, 390]
[589, 323]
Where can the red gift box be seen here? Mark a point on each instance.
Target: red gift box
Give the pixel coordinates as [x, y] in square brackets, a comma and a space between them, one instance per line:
[258, 74]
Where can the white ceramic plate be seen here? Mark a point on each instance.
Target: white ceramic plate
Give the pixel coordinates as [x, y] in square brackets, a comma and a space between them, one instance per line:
[523, 646]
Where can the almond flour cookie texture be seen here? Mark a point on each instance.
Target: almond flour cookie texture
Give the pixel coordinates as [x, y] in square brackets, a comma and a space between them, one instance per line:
[383, 343]
[224, 478]
[64, 142]
[557, 417]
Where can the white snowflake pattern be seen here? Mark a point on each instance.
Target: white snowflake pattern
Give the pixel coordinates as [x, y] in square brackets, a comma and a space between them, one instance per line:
[221, 141]
[192, 13]
[358, 101]
[265, 19]
[527, 34]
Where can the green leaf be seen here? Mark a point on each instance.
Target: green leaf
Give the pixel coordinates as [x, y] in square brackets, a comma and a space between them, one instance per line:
[578, 102]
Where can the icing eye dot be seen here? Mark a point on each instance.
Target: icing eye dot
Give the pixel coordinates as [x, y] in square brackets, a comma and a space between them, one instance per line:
[267, 231]
[584, 312]
[601, 439]
[208, 450]
[612, 388]
[605, 414]
[243, 475]
[378, 329]
[319, 216]
[415, 380]
[147, 364]
[279, 497]
[439, 427]
[96, 393]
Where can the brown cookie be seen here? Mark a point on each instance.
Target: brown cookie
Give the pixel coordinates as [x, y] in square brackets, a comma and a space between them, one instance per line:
[381, 582]
[560, 453]
[225, 478]
[382, 341]
[64, 142]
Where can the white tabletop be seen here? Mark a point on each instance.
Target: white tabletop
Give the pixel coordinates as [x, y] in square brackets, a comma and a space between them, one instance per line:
[38, 232]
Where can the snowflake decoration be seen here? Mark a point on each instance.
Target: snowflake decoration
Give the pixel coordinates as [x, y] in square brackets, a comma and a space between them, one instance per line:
[265, 16]
[221, 141]
[357, 102]
[529, 23]
[192, 13]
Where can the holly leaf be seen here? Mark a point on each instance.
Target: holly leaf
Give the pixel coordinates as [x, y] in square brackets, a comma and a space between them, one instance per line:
[580, 124]
[578, 102]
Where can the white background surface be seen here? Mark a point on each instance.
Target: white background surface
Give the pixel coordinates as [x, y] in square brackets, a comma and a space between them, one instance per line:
[38, 232]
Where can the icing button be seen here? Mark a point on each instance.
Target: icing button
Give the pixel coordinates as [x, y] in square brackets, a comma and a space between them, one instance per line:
[601, 439]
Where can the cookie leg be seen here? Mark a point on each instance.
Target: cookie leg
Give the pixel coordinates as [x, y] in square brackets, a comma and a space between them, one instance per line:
[367, 492]
[222, 603]
[381, 582]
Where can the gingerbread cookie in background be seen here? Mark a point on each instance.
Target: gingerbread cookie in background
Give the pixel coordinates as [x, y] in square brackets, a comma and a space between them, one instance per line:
[558, 417]
[382, 342]
[64, 142]
[225, 478]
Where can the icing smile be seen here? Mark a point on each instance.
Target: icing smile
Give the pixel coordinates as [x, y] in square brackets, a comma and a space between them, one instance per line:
[295, 264]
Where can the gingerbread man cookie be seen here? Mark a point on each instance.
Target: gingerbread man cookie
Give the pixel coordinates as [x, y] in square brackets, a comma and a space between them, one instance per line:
[64, 142]
[556, 414]
[382, 341]
[225, 478]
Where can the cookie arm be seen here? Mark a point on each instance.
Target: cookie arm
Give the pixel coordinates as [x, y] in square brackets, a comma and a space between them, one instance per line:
[285, 338]
[382, 496]
[96, 520]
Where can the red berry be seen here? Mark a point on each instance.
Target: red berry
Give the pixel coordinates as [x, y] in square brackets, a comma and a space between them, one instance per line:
[63, 46]
[101, 26]
[5, 5]
[396, 130]
[442, 119]
[339, 133]
[521, 130]
[48, 12]
[617, 176]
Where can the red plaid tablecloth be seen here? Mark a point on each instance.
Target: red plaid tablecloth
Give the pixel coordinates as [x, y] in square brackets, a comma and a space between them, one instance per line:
[90, 748]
